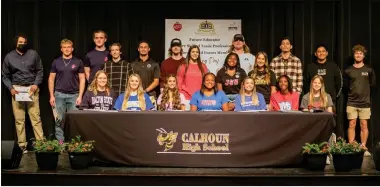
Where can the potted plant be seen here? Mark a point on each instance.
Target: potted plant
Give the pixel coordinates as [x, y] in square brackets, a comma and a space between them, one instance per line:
[315, 155]
[346, 155]
[376, 156]
[47, 152]
[80, 152]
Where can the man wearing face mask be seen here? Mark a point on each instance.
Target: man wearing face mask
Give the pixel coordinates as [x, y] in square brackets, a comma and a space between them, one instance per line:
[22, 69]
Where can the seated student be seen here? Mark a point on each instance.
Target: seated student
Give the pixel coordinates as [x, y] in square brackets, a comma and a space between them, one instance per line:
[134, 97]
[209, 98]
[249, 99]
[317, 98]
[170, 98]
[99, 95]
[285, 98]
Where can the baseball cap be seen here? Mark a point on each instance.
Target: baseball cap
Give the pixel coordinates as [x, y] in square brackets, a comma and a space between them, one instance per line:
[176, 42]
[239, 37]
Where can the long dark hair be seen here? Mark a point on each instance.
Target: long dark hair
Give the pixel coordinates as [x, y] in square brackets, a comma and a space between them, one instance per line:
[290, 85]
[203, 87]
[237, 60]
[188, 57]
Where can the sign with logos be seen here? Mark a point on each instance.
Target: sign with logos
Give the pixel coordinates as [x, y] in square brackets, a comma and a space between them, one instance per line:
[214, 38]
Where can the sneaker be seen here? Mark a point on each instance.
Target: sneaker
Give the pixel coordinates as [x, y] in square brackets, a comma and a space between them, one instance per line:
[24, 150]
[367, 153]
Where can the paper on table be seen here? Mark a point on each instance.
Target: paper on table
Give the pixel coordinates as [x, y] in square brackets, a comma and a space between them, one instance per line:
[23, 93]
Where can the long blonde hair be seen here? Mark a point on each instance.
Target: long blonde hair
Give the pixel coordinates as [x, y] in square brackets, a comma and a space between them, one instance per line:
[255, 98]
[322, 92]
[93, 87]
[245, 48]
[166, 96]
[266, 68]
[140, 93]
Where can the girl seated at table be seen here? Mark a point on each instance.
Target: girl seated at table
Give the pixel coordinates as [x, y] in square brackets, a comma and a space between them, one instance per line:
[284, 99]
[249, 99]
[170, 98]
[209, 97]
[99, 95]
[317, 98]
[134, 97]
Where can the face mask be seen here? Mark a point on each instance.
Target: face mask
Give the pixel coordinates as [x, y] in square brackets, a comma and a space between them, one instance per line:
[22, 47]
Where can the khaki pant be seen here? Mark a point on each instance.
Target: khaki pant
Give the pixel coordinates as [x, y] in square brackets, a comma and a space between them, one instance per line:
[33, 108]
[354, 112]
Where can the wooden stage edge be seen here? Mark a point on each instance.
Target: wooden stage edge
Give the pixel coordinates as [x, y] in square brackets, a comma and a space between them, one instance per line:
[29, 174]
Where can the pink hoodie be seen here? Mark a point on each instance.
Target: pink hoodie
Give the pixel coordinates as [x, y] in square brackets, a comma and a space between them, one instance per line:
[192, 82]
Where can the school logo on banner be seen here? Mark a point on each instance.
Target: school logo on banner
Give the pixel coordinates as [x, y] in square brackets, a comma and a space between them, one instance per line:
[206, 27]
[193, 143]
[166, 139]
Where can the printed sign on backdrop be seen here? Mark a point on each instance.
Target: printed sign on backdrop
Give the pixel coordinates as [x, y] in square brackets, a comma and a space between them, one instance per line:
[213, 37]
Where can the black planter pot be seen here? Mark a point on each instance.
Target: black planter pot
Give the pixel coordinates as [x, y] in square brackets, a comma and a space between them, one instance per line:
[47, 160]
[376, 156]
[357, 160]
[343, 162]
[316, 162]
[80, 160]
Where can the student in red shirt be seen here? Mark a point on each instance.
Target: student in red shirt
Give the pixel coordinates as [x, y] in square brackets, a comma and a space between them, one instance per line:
[190, 74]
[171, 64]
[285, 98]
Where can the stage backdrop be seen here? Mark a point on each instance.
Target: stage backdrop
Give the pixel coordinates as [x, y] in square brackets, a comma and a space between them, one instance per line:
[214, 38]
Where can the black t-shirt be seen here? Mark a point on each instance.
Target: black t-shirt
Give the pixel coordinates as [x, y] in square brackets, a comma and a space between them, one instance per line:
[359, 81]
[231, 84]
[261, 84]
[148, 71]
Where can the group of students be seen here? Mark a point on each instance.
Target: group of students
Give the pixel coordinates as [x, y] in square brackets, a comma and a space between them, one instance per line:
[245, 82]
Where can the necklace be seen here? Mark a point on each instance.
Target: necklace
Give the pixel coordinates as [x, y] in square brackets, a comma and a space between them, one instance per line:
[67, 62]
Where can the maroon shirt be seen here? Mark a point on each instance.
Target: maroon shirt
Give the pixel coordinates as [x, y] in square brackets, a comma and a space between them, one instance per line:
[169, 66]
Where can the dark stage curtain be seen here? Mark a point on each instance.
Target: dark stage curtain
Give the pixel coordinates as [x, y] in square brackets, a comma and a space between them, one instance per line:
[337, 24]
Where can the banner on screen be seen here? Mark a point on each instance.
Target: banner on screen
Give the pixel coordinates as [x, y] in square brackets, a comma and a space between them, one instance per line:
[213, 37]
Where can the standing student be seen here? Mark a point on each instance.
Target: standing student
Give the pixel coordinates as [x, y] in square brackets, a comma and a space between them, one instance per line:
[209, 97]
[171, 64]
[247, 60]
[328, 70]
[171, 98]
[66, 84]
[134, 97]
[148, 70]
[117, 69]
[22, 69]
[99, 95]
[190, 74]
[288, 64]
[96, 58]
[285, 98]
[230, 77]
[249, 99]
[359, 79]
[317, 98]
[265, 79]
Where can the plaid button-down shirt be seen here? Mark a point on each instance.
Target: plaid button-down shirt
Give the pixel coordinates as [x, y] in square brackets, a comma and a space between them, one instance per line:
[292, 67]
[118, 74]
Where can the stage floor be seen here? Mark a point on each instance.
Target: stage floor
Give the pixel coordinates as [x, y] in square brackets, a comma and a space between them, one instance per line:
[29, 174]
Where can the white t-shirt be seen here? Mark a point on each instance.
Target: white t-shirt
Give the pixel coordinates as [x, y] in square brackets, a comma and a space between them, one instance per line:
[247, 60]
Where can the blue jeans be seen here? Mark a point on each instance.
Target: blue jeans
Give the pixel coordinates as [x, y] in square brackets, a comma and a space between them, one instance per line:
[63, 102]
